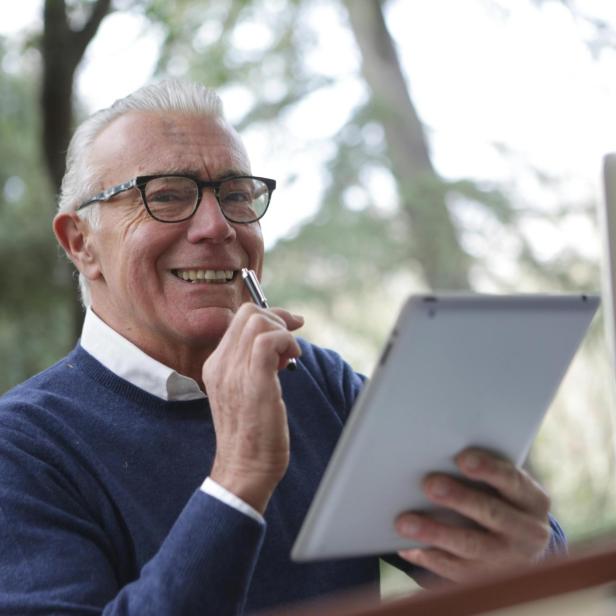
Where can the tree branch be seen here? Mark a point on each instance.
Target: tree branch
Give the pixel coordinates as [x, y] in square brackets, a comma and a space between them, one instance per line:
[422, 193]
[383, 73]
[83, 37]
[62, 49]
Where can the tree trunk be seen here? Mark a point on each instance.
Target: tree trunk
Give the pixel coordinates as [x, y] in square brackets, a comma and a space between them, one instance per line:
[62, 49]
[434, 238]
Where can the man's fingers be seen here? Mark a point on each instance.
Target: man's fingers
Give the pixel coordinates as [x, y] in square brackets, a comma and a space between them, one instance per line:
[441, 563]
[249, 322]
[292, 321]
[273, 349]
[280, 315]
[489, 511]
[267, 342]
[513, 483]
[463, 542]
[509, 507]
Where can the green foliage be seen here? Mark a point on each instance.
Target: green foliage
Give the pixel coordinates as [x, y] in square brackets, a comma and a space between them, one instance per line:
[34, 328]
[254, 45]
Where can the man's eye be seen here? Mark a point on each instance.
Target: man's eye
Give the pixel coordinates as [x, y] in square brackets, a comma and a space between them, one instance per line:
[162, 197]
[237, 197]
[170, 196]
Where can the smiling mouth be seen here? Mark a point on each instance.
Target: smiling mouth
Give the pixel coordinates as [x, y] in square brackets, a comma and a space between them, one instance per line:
[205, 276]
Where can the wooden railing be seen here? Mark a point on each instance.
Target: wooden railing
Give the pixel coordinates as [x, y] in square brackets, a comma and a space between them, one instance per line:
[577, 585]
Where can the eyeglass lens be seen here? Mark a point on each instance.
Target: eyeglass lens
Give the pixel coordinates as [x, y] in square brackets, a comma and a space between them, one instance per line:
[175, 198]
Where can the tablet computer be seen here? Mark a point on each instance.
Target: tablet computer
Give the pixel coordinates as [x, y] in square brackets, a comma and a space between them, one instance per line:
[457, 371]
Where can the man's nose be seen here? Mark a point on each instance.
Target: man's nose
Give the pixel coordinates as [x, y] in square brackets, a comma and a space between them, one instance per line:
[208, 222]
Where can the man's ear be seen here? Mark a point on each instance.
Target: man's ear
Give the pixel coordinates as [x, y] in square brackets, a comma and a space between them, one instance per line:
[74, 235]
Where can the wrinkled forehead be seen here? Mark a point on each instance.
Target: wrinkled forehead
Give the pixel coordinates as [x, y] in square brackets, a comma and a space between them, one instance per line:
[142, 143]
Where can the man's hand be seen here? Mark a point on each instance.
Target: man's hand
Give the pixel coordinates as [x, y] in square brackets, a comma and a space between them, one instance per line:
[513, 520]
[249, 415]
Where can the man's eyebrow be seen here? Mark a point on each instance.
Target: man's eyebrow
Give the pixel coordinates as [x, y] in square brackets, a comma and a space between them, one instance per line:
[230, 173]
[194, 173]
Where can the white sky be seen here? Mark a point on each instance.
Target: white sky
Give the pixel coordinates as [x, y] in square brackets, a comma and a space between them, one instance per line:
[526, 82]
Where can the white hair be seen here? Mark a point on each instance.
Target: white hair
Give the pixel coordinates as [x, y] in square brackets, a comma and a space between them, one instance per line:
[80, 179]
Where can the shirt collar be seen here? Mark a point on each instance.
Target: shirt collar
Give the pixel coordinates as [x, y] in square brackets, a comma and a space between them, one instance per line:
[129, 362]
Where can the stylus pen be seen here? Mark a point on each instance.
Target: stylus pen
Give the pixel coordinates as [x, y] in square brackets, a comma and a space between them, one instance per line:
[251, 281]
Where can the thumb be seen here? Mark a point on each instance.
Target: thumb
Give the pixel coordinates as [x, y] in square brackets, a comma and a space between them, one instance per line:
[292, 321]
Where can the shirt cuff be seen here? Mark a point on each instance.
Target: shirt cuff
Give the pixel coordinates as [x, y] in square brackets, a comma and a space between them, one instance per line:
[214, 489]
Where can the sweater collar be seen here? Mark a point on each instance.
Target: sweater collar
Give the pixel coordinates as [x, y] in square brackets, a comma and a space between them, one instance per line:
[129, 362]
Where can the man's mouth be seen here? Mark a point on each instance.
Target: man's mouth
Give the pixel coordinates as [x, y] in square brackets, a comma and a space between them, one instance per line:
[206, 276]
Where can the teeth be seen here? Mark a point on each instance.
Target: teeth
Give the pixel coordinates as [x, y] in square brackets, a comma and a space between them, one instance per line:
[205, 275]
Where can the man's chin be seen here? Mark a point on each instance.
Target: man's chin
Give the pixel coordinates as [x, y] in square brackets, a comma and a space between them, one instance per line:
[206, 325]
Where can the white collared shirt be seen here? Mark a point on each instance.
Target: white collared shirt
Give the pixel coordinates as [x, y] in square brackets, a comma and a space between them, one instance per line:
[129, 362]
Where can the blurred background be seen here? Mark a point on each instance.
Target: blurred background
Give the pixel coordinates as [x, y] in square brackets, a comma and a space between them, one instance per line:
[417, 145]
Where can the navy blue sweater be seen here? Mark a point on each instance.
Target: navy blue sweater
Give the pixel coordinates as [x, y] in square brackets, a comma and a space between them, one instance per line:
[100, 507]
[101, 511]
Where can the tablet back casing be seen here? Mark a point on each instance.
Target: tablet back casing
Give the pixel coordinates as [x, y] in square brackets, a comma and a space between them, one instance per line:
[457, 371]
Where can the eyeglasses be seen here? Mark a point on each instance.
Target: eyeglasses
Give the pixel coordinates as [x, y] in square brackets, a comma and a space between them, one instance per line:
[175, 198]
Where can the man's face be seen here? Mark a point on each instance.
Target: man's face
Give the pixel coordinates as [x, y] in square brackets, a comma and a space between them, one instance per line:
[139, 287]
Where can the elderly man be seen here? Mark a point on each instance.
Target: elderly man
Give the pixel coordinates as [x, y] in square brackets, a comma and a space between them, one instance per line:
[165, 465]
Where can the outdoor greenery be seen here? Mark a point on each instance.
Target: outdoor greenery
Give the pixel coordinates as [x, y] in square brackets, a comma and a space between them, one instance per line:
[347, 267]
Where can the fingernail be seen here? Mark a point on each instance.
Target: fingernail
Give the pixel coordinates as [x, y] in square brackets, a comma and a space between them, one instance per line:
[409, 554]
[410, 526]
[472, 461]
[439, 487]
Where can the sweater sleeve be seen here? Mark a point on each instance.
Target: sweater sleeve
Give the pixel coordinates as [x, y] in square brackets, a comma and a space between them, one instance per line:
[61, 556]
[204, 566]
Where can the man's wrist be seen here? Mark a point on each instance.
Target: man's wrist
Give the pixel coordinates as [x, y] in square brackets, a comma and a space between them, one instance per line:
[254, 488]
[215, 489]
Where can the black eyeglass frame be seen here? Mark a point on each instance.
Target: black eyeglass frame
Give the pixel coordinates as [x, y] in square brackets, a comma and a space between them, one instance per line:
[140, 181]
